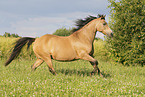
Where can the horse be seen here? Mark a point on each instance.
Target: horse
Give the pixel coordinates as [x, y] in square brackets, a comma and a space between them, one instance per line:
[78, 45]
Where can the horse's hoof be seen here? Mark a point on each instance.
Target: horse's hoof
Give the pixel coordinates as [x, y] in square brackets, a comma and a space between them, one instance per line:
[33, 69]
[92, 73]
[101, 75]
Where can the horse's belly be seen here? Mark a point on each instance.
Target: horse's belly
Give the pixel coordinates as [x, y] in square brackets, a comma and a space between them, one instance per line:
[63, 54]
[62, 51]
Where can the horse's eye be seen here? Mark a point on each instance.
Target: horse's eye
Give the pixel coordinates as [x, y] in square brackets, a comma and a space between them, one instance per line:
[104, 24]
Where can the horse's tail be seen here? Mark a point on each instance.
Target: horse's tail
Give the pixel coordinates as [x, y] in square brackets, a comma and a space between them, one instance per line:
[17, 49]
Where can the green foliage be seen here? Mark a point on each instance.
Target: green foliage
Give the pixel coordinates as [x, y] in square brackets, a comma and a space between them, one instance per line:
[63, 32]
[72, 80]
[100, 52]
[6, 47]
[128, 24]
[10, 35]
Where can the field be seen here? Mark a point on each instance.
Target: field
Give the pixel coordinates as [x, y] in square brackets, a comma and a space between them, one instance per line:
[73, 78]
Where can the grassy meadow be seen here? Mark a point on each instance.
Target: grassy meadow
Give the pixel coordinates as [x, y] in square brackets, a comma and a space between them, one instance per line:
[73, 78]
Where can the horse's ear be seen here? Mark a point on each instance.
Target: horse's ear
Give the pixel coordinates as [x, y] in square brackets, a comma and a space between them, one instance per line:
[103, 17]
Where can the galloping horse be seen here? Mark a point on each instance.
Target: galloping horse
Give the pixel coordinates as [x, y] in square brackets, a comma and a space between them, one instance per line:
[79, 45]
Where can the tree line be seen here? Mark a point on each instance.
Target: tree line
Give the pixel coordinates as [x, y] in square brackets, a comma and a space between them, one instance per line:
[7, 34]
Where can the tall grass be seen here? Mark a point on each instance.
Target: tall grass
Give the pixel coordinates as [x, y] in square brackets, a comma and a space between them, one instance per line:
[6, 47]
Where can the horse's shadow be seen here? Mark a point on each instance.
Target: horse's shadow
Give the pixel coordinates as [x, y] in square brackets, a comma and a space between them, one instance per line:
[81, 73]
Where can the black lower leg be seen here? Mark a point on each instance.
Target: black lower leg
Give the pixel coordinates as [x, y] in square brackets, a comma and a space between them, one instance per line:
[98, 70]
[52, 71]
[94, 62]
[95, 66]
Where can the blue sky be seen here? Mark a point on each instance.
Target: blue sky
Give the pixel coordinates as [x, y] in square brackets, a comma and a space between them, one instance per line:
[35, 18]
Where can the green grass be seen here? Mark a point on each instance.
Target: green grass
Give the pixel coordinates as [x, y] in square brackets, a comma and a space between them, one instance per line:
[73, 80]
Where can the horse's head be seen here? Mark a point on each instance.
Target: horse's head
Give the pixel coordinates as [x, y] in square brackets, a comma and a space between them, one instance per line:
[103, 27]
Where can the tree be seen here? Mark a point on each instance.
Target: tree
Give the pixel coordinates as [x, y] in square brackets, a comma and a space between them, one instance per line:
[7, 34]
[10, 35]
[63, 32]
[127, 20]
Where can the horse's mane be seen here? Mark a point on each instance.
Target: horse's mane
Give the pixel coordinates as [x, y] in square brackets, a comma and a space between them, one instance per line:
[82, 22]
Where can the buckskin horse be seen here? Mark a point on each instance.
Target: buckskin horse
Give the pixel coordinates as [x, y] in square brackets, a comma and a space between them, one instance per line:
[79, 45]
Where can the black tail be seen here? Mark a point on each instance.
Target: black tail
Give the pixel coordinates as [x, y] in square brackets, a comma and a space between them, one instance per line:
[17, 49]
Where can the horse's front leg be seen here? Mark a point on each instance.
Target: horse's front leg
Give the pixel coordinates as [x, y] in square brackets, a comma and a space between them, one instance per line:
[93, 61]
[96, 68]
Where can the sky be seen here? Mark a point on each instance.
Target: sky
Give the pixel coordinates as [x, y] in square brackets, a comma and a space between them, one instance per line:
[34, 18]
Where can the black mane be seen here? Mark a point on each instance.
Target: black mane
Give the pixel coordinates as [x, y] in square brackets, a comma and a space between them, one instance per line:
[82, 22]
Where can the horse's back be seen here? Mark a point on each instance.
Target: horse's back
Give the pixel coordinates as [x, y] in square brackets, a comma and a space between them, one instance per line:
[60, 48]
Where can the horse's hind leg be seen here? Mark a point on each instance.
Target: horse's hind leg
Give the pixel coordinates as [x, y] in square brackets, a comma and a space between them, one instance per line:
[47, 59]
[50, 66]
[37, 63]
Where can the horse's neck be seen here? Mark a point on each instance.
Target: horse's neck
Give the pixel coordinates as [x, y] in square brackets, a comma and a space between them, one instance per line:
[88, 32]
